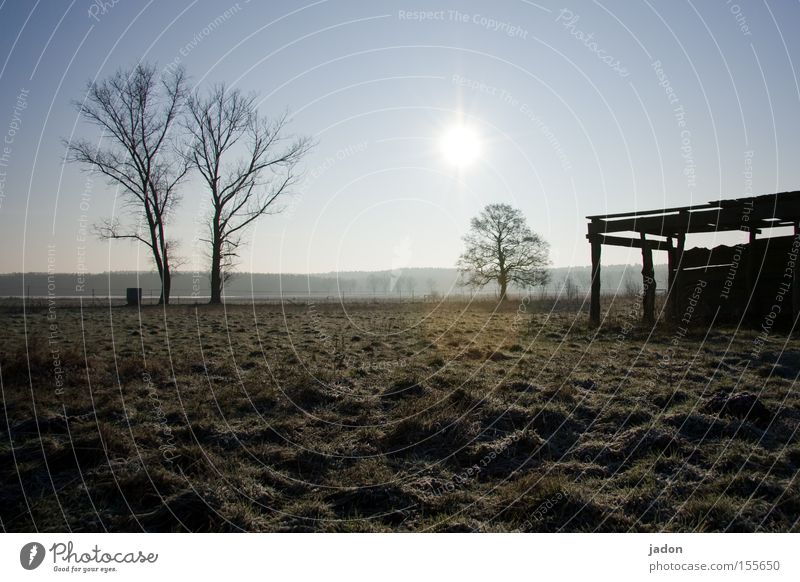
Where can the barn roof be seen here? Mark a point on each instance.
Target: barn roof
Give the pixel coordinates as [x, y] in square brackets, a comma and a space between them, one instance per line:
[752, 213]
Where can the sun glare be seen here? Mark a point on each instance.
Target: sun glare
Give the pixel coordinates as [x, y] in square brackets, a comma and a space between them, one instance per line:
[460, 146]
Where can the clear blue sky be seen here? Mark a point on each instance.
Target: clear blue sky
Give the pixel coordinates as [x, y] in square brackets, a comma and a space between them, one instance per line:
[570, 124]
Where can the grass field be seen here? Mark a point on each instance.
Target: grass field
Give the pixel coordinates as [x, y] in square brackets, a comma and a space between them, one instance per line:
[392, 417]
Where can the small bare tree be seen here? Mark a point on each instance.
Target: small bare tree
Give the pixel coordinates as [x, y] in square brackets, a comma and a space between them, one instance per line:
[631, 287]
[570, 290]
[501, 248]
[384, 283]
[347, 287]
[242, 189]
[430, 283]
[399, 283]
[136, 111]
[411, 285]
[373, 282]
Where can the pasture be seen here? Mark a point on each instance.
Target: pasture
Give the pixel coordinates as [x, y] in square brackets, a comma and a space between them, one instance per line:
[377, 416]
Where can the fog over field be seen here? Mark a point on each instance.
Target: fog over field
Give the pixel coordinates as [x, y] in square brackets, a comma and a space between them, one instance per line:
[420, 283]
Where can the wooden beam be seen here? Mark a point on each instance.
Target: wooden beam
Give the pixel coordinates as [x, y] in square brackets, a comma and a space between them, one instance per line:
[723, 219]
[594, 307]
[785, 205]
[622, 241]
[651, 212]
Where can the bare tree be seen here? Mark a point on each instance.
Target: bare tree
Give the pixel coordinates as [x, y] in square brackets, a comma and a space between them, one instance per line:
[411, 285]
[242, 189]
[137, 111]
[430, 283]
[631, 286]
[570, 290]
[461, 283]
[501, 248]
[373, 282]
[384, 283]
[347, 287]
[327, 284]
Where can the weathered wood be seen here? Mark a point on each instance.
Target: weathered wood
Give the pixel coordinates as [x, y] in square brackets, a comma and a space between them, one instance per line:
[691, 222]
[594, 307]
[648, 283]
[677, 279]
[719, 255]
[783, 205]
[796, 280]
[761, 212]
[672, 299]
[651, 212]
[751, 277]
[752, 214]
[622, 241]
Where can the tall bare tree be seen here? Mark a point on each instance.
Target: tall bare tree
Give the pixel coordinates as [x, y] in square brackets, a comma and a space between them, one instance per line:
[247, 164]
[501, 248]
[137, 111]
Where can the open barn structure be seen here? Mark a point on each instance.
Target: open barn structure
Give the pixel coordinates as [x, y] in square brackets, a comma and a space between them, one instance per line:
[751, 281]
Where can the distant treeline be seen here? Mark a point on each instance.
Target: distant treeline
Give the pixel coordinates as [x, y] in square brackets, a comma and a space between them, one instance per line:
[402, 283]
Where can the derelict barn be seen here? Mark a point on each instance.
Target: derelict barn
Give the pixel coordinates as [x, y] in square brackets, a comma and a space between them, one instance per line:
[755, 282]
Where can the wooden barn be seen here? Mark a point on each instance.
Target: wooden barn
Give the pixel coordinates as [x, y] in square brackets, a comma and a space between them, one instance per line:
[754, 282]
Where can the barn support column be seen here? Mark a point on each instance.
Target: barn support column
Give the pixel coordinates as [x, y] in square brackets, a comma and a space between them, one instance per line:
[672, 304]
[594, 306]
[750, 278]
[676, 277]
[796, 280]
[648, 283]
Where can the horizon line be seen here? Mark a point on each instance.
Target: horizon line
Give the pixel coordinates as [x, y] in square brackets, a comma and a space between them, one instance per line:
[287, 273]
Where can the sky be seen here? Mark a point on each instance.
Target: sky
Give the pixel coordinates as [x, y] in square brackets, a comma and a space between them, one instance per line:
[578, 108]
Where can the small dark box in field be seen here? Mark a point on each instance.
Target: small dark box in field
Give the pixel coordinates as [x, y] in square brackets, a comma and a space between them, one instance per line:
[134, 295]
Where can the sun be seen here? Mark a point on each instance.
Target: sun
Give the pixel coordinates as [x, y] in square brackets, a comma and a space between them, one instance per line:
[460, 145]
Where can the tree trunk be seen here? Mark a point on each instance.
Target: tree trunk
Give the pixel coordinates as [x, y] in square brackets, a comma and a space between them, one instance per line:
[216, 255]
[503, 287]
[216, 273]
[159, 258]
[166, 279]
[161, 252]
[166, 285]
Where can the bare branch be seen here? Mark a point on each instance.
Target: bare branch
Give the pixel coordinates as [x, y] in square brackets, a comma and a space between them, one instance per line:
[136, 111]
[109, 229]
[243, 189]
[501, 248]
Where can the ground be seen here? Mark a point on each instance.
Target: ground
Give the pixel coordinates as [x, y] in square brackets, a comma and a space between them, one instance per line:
[379, 416]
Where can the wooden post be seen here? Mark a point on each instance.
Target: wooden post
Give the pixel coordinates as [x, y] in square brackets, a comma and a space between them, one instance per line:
[751, 284]
[676, 278]
[648, 283]
[672, 311]
[594, 307]
[796, 280]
